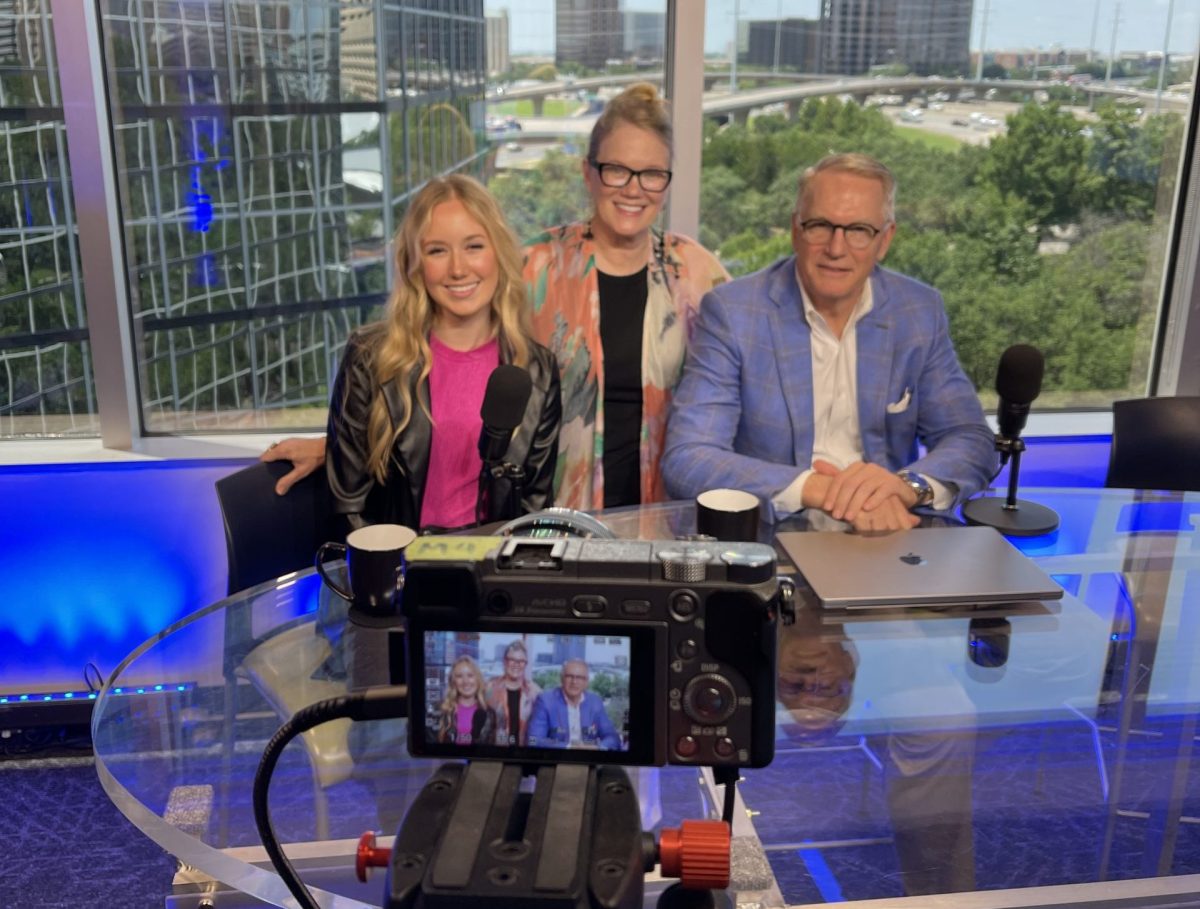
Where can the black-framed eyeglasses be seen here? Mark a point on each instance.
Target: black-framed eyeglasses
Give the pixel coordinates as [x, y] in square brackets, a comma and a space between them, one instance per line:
[651, 179]
[858, 236]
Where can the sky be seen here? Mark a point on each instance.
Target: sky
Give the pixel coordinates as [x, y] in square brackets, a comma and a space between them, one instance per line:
[1010, 23]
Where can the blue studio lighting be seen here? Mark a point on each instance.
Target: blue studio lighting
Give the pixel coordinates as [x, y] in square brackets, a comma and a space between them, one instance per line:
[89, 695]
[109, 555]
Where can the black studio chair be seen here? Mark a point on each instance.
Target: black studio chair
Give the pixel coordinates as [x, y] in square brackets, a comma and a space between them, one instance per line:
[267, 536]
[1155, 444]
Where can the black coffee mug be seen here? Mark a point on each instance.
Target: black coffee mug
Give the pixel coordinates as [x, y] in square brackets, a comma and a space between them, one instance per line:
[375, 562]
[729, 515]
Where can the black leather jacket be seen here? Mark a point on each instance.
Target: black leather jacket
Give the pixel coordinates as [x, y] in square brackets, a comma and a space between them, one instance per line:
[357, 494]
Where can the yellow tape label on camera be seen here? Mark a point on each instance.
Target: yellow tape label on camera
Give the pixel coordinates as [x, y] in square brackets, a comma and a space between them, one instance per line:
[451, 548]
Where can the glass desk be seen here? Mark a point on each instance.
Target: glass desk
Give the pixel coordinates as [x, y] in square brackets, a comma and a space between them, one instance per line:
[902, 767]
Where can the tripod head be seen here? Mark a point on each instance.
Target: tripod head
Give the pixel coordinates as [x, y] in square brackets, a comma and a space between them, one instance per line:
[575, 841]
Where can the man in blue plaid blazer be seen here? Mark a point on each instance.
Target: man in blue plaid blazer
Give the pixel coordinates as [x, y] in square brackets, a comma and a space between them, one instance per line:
[811, 383]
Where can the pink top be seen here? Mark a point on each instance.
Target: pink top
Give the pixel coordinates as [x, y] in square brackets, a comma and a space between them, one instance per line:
[462, 722]
[457, 382]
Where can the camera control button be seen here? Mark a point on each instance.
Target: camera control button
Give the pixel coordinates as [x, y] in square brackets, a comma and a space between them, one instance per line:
[686, 746]
[709, 699]
[751, 564]
[684, 605]
[588, 605]
[687, 649]
[724, 747]
[635, 607]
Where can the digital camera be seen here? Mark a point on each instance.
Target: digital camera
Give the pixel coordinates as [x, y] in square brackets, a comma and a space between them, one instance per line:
[595, 651]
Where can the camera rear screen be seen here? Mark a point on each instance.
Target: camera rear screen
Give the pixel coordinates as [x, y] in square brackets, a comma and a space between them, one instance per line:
[497, 692]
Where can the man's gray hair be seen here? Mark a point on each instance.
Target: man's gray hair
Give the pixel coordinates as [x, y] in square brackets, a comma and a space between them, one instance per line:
[851, 163]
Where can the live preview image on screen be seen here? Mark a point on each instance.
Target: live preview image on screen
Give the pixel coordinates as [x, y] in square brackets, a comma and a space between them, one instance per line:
[527, 690]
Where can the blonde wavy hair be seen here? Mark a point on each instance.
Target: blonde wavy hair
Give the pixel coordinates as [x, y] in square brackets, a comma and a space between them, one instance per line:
[450, 701]
[639, 105]
[400, 341]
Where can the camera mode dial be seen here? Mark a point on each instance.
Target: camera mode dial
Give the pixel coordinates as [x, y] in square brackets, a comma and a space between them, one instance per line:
[709, 699]
[686, 565]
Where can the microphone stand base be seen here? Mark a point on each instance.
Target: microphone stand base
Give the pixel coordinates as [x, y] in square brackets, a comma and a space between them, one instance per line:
[1024, 519]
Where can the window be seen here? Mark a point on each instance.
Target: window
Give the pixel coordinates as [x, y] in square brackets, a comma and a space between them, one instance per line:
[1037, 188]
[46, 386]
[266, 150]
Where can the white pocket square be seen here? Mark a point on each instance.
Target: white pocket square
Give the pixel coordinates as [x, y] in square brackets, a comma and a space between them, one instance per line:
[901, 405]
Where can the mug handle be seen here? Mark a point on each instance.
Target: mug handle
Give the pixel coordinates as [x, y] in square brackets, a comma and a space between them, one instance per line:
[320, 563]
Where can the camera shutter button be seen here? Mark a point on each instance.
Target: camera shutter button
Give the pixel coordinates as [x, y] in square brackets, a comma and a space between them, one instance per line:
[752, 564]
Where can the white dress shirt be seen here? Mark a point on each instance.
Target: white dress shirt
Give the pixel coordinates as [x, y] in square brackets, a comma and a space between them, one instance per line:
[836, 434]
[573, 722]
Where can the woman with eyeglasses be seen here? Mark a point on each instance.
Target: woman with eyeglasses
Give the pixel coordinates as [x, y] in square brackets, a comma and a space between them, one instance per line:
[614, 298]
[511, 696]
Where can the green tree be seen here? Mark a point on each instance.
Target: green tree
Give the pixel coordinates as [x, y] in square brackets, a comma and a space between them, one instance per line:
[549, 194]
[1128, 156]
[1043, 161]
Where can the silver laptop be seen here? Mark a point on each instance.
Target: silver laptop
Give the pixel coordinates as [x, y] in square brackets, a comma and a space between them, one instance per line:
[926, 566]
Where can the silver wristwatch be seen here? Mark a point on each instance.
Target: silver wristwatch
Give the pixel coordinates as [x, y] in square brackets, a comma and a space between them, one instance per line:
[919, 485]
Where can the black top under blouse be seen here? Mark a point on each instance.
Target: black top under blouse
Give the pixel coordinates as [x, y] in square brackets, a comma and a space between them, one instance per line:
[622, 314]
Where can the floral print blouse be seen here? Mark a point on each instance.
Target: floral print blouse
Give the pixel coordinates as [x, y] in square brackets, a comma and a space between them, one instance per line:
[560, 274]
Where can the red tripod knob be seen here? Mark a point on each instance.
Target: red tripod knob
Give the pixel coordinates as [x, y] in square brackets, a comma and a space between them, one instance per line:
[368, 856]
[697, 853]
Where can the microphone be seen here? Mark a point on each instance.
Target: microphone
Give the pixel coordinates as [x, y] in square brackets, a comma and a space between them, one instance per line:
[504, 400]
[500, 483]
[1018, 383]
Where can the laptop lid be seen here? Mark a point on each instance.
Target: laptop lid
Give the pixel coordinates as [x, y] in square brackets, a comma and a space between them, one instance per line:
[925, 566]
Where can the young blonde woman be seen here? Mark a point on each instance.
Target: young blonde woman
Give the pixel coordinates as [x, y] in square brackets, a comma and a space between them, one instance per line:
[404, 420]
[464, 718]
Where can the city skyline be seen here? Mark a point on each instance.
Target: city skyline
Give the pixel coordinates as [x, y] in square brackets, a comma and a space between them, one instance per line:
[1011, 24]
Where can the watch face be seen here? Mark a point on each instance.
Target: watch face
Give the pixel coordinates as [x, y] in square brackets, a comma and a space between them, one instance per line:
[919, 485]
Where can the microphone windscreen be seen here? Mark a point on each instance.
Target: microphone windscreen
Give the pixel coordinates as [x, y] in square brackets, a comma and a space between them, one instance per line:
[1019, 376]
[504, 400]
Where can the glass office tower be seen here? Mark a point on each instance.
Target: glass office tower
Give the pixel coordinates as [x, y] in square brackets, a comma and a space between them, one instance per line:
[266, 151]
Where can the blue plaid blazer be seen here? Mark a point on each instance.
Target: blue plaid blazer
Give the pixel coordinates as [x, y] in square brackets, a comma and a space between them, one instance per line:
[742, 416]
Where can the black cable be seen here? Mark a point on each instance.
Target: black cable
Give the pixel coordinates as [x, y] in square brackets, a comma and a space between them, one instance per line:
[727, 777]
[390, 702]
[92, 677]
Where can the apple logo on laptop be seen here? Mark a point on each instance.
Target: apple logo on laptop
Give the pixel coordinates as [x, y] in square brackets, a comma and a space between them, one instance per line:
[912, 558]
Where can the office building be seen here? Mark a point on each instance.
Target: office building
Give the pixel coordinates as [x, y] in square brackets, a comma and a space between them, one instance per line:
[588, 32]
[927, 36]
[645, 35]
[788, 43]
[497, 56]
